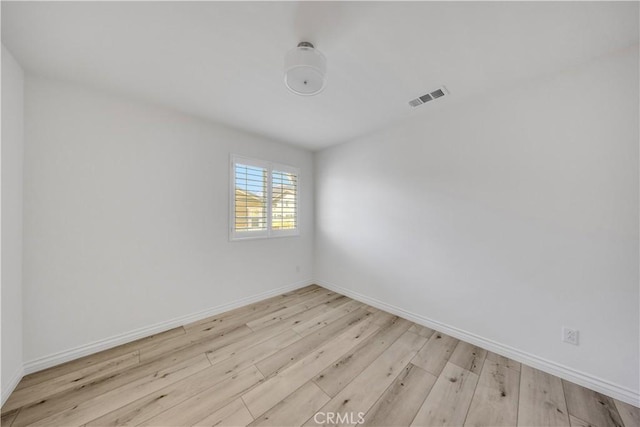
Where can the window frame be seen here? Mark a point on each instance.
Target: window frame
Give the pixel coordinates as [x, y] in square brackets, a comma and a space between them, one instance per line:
[269, 167]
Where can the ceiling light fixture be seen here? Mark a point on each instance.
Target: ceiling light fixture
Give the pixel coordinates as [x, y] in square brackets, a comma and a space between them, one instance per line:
[304, 70]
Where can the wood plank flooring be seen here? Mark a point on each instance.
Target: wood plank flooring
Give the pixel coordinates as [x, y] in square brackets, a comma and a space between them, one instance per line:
[307, 357]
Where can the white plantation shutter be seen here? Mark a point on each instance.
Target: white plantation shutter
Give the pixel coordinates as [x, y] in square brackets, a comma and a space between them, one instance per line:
[284, 200]
[250, 199]
[264, 199]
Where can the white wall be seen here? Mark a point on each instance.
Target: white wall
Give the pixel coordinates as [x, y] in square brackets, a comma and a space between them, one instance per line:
[12, 163]
[507, 217]
[126, 217]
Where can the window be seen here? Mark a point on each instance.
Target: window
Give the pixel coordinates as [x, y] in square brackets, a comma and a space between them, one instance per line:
[264, 199]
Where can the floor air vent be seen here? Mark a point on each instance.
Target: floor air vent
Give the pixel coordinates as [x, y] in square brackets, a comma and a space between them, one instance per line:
[438, 93]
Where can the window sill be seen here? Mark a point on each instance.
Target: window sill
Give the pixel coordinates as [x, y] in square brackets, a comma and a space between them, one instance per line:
[235, 238]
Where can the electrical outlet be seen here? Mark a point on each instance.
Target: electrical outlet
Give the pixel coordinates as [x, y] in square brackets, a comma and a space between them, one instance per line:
[297, 269]
[570, 335]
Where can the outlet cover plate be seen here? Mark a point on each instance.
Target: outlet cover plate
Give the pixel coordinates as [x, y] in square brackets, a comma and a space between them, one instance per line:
[570, 336]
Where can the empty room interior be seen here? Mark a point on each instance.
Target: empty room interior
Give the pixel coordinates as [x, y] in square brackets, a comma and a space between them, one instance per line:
[290, 213]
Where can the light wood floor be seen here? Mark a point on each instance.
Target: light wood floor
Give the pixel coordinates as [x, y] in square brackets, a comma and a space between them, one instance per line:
[281, 361]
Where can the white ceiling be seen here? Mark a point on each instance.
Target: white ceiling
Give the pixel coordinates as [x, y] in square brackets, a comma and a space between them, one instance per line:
[223, 61]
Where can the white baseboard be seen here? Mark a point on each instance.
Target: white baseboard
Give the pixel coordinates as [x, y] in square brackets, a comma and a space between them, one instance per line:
[600, 385]
[11, 385]
[104, 344]
[592, 382]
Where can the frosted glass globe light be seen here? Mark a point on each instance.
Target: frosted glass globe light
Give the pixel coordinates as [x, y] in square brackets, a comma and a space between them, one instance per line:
[304, 70]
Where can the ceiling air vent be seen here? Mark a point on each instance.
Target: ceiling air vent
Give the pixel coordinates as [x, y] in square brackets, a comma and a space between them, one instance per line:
[438, 93]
